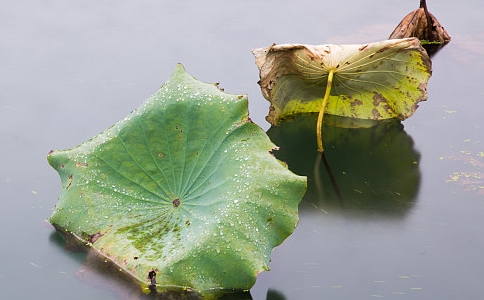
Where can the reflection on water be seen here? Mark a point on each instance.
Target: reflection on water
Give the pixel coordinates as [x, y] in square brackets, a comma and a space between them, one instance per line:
[69, 68]
[368, 171]
[95, 271]
[274, 295]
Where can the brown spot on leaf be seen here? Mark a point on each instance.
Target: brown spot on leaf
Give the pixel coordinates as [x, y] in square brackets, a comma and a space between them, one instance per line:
[382, 50]
[176, 202]
[92, 238]
[376, 114]
[152, 277]
[70, 181]
[378, 99]
[356, 102]
[83, 165]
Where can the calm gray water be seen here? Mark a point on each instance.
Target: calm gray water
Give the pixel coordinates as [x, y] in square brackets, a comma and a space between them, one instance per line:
[70, 69]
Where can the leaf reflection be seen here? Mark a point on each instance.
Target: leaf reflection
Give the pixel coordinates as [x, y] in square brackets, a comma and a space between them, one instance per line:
[95, 271]
[368, 171]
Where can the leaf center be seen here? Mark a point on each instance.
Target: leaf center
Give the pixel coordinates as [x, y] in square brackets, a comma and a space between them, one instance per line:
[176, 202]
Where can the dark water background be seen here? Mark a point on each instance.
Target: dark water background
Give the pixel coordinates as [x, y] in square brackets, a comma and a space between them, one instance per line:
[70, 69]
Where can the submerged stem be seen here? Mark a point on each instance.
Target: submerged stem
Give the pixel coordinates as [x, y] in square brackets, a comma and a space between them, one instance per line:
[319, 125]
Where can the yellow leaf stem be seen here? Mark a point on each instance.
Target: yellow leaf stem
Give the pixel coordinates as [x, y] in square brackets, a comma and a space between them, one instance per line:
[319, 125]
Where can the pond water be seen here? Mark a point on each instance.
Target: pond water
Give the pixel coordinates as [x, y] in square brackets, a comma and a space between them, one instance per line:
[409, 221]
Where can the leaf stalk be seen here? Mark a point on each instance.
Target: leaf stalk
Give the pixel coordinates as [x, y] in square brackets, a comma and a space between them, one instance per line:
[319, 125]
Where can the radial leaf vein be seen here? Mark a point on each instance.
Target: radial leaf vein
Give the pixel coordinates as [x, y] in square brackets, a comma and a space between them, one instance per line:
[357, 64]
[145, 138]
[192, 187]
[363, 82]
[169, 154]
[141, 167]
[127, 177]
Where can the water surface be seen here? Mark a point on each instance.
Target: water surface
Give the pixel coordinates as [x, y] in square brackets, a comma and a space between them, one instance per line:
[71, 69]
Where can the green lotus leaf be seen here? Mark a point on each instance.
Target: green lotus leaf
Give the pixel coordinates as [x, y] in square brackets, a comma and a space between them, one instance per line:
[371, 81]
[185, 186]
